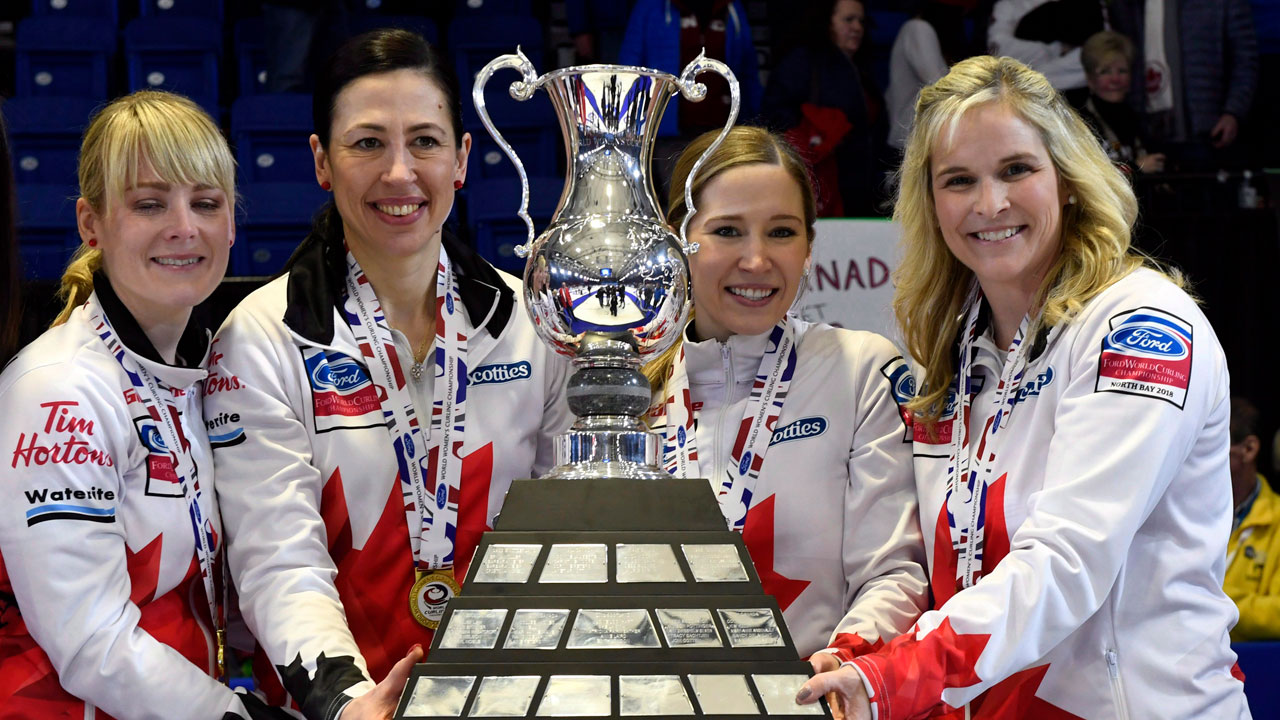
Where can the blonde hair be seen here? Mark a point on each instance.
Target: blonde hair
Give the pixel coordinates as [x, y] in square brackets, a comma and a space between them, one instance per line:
[170, 132]
[931, 285]
[1101, 47]
[744, 145]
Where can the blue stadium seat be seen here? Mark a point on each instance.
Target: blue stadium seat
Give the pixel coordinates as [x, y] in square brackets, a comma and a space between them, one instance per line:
[67, 56]
[475, 40]
[274, 219]
[496, 227]
[45, 135]
[208, 9]
[46, 228]
[107, 11]
[489, 7]
[537, 147]
[251, 56]
[179, 54]
[270, 133]
[363, 22]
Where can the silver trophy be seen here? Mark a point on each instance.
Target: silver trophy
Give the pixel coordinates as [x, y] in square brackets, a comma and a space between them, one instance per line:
[607, 283]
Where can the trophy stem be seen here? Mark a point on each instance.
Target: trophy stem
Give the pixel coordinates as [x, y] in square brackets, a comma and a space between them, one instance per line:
[609, 395]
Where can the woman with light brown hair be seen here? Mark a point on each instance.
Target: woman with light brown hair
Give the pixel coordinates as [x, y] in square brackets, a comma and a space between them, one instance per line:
[796, 424]
[110, 600]
[1070, 433]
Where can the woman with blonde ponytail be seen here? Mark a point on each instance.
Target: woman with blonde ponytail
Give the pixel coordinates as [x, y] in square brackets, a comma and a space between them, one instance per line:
[796, 425]
[111, 597]
[1071, 434]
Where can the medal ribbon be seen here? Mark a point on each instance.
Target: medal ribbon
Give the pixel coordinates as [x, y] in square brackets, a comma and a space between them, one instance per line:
[755, 431]
[165, 416]
[969, 473]
[431, 513]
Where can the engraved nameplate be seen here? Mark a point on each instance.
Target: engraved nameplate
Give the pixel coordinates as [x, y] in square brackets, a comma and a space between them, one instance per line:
[715, 563]
[647, 563]
[439, 696]
[576, 563]
[536, 629]
[473, 629]
[602, 628]
[688, 627]
[652, 695]
[778, 692]
[501, 696]
[753, 627]
[723, 695]
[507, 563]
[576, 696]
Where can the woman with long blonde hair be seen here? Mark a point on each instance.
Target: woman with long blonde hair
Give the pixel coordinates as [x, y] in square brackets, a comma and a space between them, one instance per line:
[796, 424]
[1070, 433]
[109, 534]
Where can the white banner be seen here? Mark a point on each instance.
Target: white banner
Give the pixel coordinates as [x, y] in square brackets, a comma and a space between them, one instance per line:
[850, 279]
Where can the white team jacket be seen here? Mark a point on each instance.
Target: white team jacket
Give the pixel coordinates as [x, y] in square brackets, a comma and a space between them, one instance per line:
[832, 525]
[1106, 533]
[312, 505]
[101, 605]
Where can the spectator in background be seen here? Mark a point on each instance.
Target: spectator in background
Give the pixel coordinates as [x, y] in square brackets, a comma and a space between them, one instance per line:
[667, 35]
[1195, 72]
[10, 277]
[1045, 34]
[1107, 57]
[1253, 553]
[298, 34]
[597, 28]
[926, 45]
[831, 109]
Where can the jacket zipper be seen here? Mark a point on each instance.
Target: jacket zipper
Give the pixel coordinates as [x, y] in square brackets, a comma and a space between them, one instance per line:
[717, 464]
[1117, 687]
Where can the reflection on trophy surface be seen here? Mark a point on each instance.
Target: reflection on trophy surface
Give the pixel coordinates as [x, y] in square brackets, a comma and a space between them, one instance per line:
[607, 283]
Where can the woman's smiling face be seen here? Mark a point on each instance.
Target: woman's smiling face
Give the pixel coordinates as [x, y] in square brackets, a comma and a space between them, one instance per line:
[392, 161]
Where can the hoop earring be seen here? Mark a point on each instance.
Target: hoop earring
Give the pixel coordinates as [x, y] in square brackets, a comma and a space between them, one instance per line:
[804, 285]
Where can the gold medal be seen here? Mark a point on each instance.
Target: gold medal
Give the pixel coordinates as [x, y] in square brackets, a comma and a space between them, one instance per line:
[429, 595]
[220, 637]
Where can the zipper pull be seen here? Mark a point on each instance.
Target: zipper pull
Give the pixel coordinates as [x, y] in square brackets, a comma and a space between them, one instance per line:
[1113, 664]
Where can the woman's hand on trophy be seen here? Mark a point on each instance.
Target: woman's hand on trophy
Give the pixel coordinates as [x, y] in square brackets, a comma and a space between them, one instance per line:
[380, 703]
[842, 686]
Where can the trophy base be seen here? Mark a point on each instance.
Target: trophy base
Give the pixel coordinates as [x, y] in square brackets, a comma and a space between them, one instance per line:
[608, 452]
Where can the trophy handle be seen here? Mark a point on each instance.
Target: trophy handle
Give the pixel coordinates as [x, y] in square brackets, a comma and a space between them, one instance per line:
[695, 92]
[522, 89]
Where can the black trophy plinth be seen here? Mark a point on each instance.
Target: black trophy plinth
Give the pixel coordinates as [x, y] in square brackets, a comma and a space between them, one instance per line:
[610, 598]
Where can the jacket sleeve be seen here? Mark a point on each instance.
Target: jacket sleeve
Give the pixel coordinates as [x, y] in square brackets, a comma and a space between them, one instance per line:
[67, 558]
[1110, 460]
[556, 417]
[923, 51]
[886, 587]
[1063, 70]
[1242, 46]
[277, 543]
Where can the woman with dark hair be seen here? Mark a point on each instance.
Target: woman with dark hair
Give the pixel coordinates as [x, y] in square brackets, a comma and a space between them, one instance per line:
[831, 109]
[10, 278]
[370, 407]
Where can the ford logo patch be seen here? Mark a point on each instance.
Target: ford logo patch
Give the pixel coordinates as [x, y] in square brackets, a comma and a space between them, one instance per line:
[442, 494]
[745, 465]
[154, 441]
[680, 436]
[1148, 339]
[448, 303]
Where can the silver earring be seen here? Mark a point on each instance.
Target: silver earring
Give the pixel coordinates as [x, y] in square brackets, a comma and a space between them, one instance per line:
[1071, 199]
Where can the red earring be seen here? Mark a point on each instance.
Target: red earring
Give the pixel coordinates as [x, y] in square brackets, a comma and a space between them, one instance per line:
[325, 186]
[457, 184]
[93, 242]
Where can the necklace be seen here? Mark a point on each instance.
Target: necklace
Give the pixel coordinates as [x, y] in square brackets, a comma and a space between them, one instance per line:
[419, 357]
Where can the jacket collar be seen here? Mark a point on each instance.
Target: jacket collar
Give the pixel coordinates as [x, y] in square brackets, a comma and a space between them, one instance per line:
[192, 346]
[707, 361]
[317, 278]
